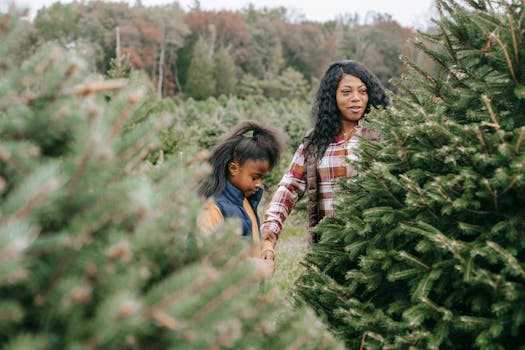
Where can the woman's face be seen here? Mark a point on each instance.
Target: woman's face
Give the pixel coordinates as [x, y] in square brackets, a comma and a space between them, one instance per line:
[351, 97]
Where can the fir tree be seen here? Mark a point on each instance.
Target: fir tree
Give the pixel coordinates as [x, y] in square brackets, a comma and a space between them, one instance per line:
[99, 250]
[119, 66]
[428, 247]
[200, 82]
[224, 73]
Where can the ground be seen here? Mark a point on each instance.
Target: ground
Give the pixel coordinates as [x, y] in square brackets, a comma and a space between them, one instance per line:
[289, 252]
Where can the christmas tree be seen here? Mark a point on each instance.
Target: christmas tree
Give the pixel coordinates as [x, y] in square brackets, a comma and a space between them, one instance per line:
[98, 247]
[428, 247]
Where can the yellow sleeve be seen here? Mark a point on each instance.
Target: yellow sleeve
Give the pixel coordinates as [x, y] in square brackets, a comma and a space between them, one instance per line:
[209, 217]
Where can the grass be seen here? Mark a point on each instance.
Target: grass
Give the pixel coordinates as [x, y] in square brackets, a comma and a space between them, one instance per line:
[291, 247]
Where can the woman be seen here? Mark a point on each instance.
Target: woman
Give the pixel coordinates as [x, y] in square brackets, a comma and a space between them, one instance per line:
[346, 93]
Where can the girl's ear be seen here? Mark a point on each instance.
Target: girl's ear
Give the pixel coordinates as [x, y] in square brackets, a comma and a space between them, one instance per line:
[233, 168]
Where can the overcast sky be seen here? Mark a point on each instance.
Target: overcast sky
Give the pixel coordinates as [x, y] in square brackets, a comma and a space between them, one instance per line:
[409, 13]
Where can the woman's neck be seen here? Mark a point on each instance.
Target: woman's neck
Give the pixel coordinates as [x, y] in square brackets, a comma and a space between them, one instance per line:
[347, 128]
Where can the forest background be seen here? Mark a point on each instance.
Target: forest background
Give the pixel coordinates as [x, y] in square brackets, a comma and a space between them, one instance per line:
[200, 54]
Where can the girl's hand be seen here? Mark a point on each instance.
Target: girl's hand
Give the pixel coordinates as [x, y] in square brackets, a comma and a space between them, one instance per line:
[268, 254]
[263, 267]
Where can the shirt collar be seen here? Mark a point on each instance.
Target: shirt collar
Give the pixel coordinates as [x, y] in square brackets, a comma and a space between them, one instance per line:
[236, 196]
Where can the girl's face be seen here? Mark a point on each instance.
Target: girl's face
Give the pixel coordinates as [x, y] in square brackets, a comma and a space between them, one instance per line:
[248, 177]
[351, 97]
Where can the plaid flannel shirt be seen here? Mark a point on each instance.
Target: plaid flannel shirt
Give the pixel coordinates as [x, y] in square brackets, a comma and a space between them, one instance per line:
[336, 162]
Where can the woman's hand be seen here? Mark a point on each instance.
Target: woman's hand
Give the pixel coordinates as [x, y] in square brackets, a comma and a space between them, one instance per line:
[268, 254]
[268, 243]
[263, 267]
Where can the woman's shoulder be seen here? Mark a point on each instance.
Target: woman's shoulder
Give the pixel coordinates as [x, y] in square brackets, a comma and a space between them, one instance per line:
[370, 134]
[308, 137]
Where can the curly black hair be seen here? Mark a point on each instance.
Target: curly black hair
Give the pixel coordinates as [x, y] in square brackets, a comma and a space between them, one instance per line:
[326, 116]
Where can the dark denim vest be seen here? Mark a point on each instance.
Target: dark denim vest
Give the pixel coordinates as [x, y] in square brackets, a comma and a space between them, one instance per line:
[230, 202]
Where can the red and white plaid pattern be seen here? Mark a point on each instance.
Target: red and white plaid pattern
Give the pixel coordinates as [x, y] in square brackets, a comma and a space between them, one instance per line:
[334, 164]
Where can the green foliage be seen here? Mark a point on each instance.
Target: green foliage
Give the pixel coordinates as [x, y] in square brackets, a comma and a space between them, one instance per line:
[249, 86]
[263, 43]
[427, 250]
[119, 67]
[224, 72]
[200, 82]
[287, 84]
[197, 125]
[98, 247]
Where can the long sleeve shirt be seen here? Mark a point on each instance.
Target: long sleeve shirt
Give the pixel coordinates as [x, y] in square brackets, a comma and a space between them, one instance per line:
[335, 163]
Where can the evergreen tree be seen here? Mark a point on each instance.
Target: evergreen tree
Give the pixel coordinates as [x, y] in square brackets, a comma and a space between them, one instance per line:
[250, 85]
[224, 73]
[289, 84]
[200, 82]
[428, 247]
[119, 66]
[100, 251]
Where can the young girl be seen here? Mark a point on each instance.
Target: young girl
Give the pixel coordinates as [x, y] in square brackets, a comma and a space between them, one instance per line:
[233, 187]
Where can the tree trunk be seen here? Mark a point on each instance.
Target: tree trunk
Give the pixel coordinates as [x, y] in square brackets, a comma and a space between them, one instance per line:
[161, 66]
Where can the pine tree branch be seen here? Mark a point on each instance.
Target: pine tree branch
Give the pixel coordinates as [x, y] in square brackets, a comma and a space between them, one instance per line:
[77, 176]
[205, 281]
[493, 193]
[474, 320]
[164, 320]
[507, 57]
[431, 304]
[126, 112]
[132, 164]
[479, 136]
[468, 270]
[382, 182]
[511, 184]
[507, 257]
[400, 147]
[405, 90]
[37, 198]
[512, 31]
[7, 157]
[407, 256]
[362, 346]
[520, 140]
[477, 5]
[61, 267]
[99, 86]
[491, 112]
[226, 294]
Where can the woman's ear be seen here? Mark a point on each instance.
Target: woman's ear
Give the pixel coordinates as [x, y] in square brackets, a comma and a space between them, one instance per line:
[233, 168]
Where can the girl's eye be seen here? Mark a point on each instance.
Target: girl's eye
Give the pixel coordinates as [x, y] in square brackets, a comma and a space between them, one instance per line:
[363, 92]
